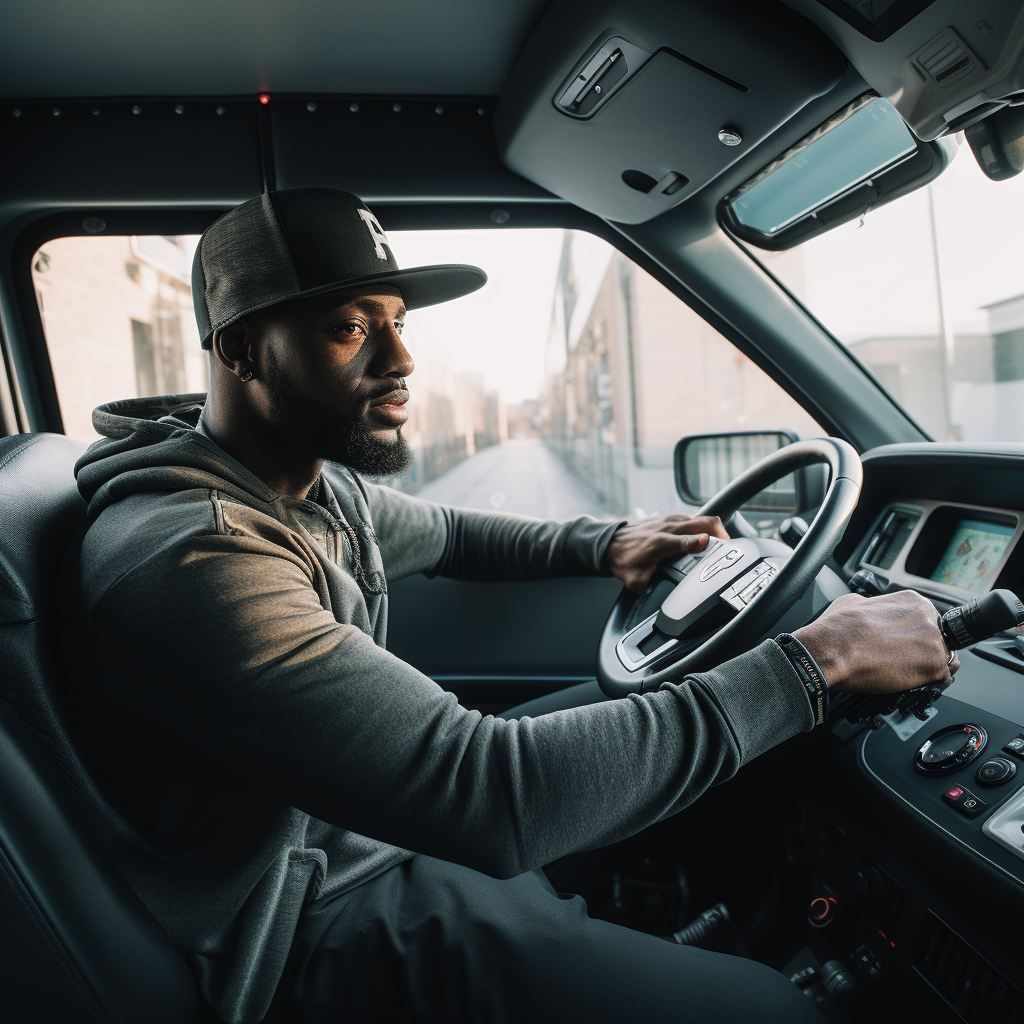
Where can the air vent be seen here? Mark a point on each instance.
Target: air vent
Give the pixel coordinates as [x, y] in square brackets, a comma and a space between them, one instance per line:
[971, 985]
[889, 538]
[946, 59]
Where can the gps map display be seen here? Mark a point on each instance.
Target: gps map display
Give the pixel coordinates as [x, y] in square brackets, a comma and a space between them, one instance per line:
[973, 552]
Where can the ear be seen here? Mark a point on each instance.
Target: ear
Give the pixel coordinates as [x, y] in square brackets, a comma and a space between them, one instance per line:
[233, 348]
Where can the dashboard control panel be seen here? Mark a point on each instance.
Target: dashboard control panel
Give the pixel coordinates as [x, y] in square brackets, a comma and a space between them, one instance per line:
[947, 550]
[945, 779]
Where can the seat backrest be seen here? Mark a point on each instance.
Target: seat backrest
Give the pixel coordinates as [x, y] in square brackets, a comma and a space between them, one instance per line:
[76, 944]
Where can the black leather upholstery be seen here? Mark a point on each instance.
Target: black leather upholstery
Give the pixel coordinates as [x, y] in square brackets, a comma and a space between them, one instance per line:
[76, 944]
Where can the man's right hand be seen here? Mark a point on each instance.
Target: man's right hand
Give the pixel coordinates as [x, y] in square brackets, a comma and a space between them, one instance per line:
[880, 644]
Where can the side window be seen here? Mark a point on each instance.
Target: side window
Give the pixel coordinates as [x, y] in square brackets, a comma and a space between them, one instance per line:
[117, 314]
[559, 388]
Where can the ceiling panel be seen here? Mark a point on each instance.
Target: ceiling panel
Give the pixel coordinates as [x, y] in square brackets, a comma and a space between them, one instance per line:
[227, 47]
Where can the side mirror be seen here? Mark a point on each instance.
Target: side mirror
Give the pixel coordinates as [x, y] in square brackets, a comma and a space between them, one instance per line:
[705, 463]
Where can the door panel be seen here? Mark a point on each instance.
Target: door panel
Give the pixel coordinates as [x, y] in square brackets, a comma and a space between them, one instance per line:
[499, 644]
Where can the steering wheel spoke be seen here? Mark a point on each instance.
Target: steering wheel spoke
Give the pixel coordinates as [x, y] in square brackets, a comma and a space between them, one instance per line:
[729, 595]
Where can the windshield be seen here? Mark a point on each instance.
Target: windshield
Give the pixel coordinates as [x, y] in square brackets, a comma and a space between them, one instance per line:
[928, 293]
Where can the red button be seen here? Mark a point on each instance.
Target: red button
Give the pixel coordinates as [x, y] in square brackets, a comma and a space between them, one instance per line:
[955, 792]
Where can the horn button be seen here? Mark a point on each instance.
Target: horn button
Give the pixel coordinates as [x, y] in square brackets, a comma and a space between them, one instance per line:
[705, 581]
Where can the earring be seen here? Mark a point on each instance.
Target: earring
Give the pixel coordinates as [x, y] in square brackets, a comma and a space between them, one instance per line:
[246, 377]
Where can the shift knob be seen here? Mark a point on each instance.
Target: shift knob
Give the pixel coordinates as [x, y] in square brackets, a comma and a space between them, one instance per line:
[981, 618]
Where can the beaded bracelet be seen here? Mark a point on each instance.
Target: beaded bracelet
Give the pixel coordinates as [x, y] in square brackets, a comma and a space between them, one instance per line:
[810, 675]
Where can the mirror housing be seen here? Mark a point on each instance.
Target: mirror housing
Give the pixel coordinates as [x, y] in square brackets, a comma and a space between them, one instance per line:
[907, 171]
[998, 143]
[705, 463]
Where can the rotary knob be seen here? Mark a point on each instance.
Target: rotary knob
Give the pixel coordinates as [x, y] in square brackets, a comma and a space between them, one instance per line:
[949, 749]
[996, 771]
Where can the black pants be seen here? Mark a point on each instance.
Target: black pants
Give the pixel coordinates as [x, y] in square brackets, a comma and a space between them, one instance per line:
[430, 941]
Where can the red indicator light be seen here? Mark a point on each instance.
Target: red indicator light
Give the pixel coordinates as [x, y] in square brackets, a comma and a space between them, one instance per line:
[893, 944]
[264, 98]
[954, 792]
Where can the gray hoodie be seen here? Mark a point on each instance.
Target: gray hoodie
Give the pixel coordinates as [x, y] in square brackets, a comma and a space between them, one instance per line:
[257, 747]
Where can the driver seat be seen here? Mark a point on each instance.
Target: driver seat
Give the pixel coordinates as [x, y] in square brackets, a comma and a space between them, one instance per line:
[76, 944]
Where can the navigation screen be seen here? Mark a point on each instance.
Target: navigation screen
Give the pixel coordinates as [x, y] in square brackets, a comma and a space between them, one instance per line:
[972, 554]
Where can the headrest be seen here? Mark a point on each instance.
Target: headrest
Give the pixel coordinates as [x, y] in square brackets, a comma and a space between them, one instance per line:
[40, 510]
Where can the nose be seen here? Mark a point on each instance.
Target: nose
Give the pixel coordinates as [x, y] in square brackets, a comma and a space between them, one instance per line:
[393, 358]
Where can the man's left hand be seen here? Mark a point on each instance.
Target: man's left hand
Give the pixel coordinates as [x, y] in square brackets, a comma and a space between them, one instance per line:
[636, 550]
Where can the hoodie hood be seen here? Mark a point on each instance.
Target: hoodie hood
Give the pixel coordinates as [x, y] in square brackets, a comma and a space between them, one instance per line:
[156, 444]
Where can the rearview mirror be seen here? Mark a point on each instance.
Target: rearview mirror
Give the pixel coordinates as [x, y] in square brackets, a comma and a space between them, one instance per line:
[998, 143]
[705, 463]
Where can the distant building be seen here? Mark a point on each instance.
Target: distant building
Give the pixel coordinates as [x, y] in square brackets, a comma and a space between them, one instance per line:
[451, 417]
[987, 379]
[911, 367]
[117, 312]
[636, 374]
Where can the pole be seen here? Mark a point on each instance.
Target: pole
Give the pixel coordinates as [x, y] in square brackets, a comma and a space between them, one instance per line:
[945, 324]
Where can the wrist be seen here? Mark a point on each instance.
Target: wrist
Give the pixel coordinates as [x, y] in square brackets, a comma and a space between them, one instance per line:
[827, 652]
[811, 675]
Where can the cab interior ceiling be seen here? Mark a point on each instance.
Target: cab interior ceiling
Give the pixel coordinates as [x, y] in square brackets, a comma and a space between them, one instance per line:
[359, 95]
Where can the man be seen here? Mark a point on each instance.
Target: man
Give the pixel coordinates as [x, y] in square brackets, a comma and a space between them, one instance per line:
[304, 813]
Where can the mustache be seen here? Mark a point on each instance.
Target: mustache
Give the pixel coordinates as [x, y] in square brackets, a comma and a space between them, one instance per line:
[385, 387]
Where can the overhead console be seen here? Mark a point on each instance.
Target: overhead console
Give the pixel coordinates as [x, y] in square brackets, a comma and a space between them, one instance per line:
[944, 64]
[628, 110]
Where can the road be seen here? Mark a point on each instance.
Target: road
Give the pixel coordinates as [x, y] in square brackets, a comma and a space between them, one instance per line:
[519, 476]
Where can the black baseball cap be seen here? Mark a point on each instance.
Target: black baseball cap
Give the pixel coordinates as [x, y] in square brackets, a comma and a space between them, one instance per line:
[305, 241]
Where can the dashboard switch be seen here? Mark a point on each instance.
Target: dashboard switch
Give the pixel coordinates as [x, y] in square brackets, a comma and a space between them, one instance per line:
[969, 805]
[996, 771]
[1015, 747]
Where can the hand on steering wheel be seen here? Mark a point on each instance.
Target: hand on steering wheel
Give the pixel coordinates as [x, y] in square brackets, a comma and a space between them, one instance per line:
[747, 582]
[636, 550]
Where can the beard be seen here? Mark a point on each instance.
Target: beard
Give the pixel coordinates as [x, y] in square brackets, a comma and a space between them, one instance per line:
[327, 433]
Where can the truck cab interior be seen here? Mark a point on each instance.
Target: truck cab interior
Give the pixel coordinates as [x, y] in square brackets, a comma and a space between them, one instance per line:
[762, 259]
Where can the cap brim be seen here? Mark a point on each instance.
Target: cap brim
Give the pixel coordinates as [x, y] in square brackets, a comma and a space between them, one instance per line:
[420, 286]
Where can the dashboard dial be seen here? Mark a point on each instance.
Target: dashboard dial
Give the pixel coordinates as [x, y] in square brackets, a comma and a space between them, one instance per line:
[949, 749]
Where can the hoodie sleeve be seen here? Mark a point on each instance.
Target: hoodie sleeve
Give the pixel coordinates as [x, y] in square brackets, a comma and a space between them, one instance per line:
[420, 536]
[222, 639]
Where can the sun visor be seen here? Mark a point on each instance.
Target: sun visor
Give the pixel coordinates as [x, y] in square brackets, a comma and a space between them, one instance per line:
[627, 110]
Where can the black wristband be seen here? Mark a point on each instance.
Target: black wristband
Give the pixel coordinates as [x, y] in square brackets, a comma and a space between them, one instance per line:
[810, 675]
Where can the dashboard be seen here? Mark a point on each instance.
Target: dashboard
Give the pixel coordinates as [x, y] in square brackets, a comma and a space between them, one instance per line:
[951, 551]
[918, 845]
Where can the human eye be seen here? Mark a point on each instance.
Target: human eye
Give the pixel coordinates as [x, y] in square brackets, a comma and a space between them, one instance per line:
[351, 329]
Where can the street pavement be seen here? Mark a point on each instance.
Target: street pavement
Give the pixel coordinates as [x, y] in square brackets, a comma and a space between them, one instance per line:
[522, 476]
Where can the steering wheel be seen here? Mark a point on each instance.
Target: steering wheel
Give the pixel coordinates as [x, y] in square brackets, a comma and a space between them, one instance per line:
[728, 596]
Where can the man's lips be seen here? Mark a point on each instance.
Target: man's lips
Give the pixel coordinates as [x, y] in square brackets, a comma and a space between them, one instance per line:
[391, 407]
